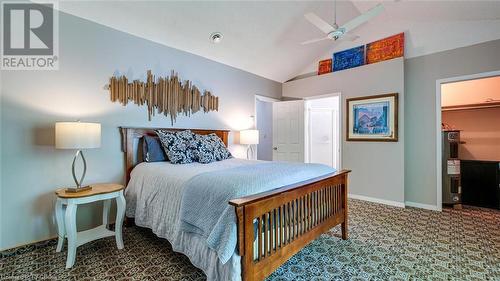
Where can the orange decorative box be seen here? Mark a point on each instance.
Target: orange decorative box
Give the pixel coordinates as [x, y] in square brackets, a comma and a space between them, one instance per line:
[385, 49]
[325, 66]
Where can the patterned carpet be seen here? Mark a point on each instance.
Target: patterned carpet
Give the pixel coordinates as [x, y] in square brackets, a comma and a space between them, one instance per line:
[385, 243]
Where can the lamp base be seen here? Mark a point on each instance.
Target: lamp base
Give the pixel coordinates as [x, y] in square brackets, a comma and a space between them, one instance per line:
[78, 189]
[251, 153]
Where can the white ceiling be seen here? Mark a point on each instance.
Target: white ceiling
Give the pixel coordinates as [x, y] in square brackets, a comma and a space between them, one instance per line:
[264, 37]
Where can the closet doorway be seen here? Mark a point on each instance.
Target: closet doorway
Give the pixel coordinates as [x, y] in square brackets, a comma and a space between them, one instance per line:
[470, 124]
[469, 146]
[323, 130]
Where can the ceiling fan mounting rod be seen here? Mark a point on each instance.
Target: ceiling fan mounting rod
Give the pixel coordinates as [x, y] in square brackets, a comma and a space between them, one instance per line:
[335, 14]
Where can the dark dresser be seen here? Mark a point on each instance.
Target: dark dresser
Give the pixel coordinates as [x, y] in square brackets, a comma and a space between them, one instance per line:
[480, 183]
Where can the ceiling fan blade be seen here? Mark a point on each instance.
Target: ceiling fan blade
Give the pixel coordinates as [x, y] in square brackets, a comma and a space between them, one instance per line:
[350, 37]
[352, 24]
[319, 23]
[314, 40]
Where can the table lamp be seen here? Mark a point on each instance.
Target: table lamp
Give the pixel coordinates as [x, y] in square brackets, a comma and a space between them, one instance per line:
[249, 137]
[78, 135]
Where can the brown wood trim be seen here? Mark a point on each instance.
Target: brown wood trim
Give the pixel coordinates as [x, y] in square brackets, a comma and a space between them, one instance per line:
[238, 202]
[129, 222]
[240, 216]
[373, 97]
[129, 134]
[471, 106]
[98, 188]
[396, 118]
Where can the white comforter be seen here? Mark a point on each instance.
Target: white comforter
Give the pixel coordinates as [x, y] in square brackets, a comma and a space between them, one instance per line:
[153, 199]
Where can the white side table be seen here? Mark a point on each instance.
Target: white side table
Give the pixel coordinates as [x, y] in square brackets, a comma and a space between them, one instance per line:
[66, 206]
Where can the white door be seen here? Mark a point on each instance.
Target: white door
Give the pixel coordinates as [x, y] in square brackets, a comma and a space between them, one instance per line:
[323, 144]
[288, 131]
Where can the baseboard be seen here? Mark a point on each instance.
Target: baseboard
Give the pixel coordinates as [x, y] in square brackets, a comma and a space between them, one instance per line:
[422, 206]
[27, 243]
[110, 224]
[377, 200]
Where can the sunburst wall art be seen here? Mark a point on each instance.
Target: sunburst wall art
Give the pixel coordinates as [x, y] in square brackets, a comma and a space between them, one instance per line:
[163, 95]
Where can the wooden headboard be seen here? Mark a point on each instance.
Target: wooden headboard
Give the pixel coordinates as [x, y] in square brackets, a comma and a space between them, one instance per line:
[131, 138]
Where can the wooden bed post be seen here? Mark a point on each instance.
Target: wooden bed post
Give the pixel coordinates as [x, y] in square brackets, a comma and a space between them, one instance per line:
[345, 232]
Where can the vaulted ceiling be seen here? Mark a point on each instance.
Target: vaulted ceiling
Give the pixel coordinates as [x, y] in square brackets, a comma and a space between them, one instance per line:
[263, 37]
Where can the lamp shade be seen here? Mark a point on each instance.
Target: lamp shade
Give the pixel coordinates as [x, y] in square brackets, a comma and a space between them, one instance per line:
[249, 137]
[78, 135]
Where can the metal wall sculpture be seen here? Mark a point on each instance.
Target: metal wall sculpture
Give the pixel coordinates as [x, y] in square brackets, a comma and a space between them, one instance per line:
[167, 95]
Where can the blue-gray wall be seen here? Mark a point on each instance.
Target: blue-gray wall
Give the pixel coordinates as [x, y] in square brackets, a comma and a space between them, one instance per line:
[377, 167]
[31, 101]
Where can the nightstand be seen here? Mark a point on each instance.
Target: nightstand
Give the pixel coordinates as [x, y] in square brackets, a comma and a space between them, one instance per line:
[66, 206]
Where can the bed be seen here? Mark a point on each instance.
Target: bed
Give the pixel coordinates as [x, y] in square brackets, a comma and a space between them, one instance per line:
[270, 226]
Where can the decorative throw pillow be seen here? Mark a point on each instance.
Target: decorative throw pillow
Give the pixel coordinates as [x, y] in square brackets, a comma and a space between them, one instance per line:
[202, 149]
[176, 145]
[220, 149]
[152, 150]
[209, 148]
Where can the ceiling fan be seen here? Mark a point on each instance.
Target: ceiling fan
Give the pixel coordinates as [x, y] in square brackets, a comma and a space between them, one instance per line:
[334, 32]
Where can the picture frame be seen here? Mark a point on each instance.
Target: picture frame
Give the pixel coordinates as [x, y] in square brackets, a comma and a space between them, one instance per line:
[372, 118]
[385, 49]
[325, 66]
[349, 58]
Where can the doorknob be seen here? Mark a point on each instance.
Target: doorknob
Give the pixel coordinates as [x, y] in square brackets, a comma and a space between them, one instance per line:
[275, 148]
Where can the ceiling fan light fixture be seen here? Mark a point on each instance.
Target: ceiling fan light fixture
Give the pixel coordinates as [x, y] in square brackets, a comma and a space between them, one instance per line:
[336, 34]
[216, 37]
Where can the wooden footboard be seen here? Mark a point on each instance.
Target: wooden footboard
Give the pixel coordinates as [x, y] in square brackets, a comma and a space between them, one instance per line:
[281, 222]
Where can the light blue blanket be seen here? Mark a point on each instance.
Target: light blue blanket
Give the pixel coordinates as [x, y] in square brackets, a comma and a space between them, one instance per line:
[205, 209]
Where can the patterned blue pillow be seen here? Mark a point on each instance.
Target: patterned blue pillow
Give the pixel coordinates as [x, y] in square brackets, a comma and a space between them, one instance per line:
[152, 150]
[209, 148]
[177, 145]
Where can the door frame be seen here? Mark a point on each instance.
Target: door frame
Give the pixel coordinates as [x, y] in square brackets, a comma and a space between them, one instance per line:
[439, 82]
[340, 136]
[264, 99]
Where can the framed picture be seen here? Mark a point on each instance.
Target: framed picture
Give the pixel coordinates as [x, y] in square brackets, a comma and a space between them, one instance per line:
[385, 49]
[325, 66]
[372, 118]
[349, 58]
